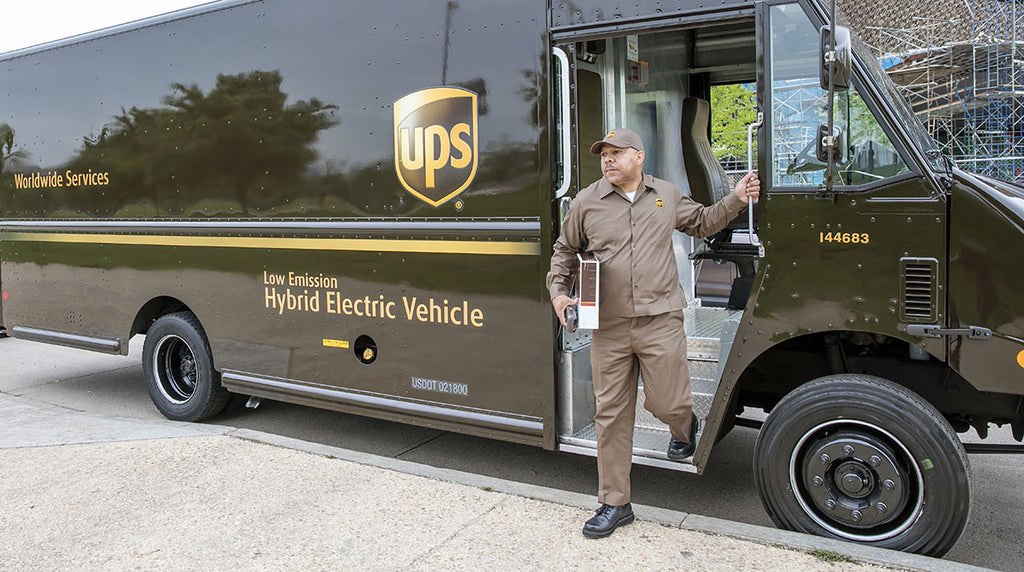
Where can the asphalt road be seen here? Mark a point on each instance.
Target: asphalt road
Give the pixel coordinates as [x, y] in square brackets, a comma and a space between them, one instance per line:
[113, 386]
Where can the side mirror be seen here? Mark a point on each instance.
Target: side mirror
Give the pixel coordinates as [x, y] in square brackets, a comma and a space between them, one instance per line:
[825, 140]
[834, 65]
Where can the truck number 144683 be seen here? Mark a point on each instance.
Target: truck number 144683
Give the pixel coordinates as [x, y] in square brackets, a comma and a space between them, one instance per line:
[844, 237]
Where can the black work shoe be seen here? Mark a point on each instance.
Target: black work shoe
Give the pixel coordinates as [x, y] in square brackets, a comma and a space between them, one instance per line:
[607, 519]
[677, 450]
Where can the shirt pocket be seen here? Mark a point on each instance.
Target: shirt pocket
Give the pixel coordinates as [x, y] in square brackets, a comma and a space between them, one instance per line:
[607, 230]
[657, 222]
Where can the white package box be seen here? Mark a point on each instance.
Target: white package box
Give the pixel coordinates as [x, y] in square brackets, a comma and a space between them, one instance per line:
[588, 288]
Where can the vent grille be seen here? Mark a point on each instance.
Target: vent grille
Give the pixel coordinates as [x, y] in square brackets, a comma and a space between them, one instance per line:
[919, 281]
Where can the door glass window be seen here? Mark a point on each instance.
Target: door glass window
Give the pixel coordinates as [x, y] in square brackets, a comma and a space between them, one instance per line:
[799, 106]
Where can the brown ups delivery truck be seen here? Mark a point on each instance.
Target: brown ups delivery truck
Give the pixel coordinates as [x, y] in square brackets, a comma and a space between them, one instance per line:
[354, 207]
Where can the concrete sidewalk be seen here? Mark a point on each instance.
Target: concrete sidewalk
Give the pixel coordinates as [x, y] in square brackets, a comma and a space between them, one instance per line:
[89, 492]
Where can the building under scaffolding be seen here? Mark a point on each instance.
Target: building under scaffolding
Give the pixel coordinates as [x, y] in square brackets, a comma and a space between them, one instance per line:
[961, 65]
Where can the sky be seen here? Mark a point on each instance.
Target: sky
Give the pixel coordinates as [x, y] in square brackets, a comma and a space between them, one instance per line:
[32, 22]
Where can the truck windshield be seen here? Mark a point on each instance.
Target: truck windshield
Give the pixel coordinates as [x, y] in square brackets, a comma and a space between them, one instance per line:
[898, 104]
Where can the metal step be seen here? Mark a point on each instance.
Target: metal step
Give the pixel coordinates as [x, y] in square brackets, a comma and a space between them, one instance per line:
[704, 330]
[704, 327]
[651, 436]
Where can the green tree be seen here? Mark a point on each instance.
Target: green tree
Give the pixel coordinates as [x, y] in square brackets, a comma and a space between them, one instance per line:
[7, 150]
[240, 143]
[853, 115]
[733, 108]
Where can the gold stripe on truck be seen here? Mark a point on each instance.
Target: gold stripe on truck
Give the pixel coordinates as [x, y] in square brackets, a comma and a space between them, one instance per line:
[346, 244]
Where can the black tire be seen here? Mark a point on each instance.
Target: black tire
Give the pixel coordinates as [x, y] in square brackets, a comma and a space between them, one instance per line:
[862, 459]
[178, 367]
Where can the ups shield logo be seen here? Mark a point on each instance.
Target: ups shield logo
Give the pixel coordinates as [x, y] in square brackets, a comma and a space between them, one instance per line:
[436, 142]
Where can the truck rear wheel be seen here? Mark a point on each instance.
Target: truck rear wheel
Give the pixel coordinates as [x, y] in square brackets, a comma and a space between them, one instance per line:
[178, 367]
[859, 458]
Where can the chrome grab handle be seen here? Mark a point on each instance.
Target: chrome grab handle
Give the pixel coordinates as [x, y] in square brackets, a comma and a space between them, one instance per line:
[563, 61]
[750, 167]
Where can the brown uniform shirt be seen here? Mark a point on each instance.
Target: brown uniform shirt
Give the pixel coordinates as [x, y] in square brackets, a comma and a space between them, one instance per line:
[633, 242]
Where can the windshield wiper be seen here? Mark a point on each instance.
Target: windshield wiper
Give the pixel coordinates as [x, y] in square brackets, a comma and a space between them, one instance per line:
[947, 162]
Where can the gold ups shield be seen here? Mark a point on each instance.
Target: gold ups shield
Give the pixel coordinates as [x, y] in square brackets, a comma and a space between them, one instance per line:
[436, 142]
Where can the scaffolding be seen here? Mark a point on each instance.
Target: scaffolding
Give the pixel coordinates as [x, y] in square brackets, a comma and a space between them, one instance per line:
[998, 111]
[964, 78]
[924, 61]
[797, 110]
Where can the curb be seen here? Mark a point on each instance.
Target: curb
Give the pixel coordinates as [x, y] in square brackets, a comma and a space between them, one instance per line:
[753, 533]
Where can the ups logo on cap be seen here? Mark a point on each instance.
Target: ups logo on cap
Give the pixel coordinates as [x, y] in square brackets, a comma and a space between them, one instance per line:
[436, 142]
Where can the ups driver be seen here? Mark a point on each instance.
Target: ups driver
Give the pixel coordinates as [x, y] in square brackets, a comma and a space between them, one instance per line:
[626, 219]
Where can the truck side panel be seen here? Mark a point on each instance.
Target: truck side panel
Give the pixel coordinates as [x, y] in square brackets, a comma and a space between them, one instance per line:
[241, 163]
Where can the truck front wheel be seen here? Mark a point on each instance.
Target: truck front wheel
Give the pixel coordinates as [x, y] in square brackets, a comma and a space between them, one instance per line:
[862, 459]
[178, 367]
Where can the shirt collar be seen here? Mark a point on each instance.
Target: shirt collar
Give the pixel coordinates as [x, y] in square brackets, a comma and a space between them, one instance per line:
[605, 187]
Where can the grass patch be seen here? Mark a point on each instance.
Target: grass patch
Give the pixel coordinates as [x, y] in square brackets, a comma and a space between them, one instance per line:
[832, 557]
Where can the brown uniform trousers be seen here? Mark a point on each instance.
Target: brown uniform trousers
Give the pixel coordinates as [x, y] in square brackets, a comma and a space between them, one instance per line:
[655, 347]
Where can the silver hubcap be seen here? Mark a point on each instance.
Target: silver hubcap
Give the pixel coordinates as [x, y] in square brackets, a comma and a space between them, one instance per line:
[856, 480]
[174, 369]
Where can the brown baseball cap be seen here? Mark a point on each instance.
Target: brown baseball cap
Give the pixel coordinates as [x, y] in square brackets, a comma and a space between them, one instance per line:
[620, 138]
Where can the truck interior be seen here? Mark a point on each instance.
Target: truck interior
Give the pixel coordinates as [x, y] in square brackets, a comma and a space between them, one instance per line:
[661, 85]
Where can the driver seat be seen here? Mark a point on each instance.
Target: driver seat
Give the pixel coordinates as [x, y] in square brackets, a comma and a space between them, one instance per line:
[708, 181]
[708, 185]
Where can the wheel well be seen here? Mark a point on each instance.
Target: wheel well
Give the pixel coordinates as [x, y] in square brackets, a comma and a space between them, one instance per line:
[153, 310]
[794, 362]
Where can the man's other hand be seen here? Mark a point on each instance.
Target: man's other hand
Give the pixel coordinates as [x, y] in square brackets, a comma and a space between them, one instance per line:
[560, 303]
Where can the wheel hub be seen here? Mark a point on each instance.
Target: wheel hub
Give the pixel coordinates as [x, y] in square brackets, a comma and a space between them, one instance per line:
[854, 479]
[175, 369]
